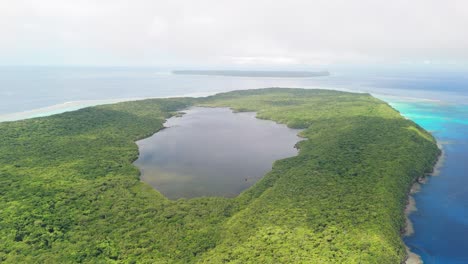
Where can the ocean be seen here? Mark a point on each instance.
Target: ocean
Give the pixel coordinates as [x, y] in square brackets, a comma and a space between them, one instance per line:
[436, 100]
[441, 219]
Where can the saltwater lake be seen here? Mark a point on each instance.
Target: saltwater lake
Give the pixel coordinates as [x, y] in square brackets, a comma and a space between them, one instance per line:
[437, 100]
[212, 152]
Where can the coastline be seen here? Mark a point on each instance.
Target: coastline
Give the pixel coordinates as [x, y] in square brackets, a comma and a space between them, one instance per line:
[57, 109]
[76, 105]
[79, 104]
[413, 258]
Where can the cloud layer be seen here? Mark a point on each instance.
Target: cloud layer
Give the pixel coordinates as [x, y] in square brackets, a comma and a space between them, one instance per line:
[241, 32]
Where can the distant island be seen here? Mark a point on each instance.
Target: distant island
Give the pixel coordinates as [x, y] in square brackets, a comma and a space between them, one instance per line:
[236, 73]
[70, 193]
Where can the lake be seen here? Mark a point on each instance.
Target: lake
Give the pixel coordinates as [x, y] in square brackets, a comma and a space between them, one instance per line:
[212, 152]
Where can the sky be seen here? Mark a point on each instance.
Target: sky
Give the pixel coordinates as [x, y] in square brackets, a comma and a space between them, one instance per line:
[240, 33]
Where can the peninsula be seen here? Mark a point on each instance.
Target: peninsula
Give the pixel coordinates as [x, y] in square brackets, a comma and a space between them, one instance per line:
[70, 193]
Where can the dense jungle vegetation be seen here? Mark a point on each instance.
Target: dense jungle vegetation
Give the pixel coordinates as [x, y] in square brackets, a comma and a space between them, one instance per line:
[69, 192]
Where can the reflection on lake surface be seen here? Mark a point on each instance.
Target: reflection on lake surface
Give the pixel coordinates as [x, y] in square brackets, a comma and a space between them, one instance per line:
[212, 152]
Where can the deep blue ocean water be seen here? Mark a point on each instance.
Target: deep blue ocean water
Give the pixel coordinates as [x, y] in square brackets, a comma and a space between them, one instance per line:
[436, 100]
[441, 221]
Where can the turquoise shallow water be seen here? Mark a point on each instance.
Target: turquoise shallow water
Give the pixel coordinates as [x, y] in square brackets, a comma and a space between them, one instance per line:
[441, 221]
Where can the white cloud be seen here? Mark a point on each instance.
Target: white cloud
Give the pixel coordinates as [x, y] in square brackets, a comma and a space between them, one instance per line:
[233, 32]
[158, 28]
[262, 60]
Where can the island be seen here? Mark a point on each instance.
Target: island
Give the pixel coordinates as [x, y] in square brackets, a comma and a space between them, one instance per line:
[70, 193]
[239, 73]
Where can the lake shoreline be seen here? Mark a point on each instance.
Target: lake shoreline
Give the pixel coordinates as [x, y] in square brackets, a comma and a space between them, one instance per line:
[188, 179]
[413, 258]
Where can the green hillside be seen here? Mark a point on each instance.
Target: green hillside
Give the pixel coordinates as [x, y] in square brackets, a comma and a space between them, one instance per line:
[69, 192]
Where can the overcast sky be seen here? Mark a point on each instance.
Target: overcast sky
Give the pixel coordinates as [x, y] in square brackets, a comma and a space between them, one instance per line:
[233, 32]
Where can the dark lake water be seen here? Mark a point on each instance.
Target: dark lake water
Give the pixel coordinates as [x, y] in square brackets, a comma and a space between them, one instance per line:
[212, 152]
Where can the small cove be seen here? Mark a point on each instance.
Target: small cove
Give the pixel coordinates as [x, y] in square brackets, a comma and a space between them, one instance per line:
[212, 152]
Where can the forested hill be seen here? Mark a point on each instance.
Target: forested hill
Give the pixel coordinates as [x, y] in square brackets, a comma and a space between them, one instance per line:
[69, 192]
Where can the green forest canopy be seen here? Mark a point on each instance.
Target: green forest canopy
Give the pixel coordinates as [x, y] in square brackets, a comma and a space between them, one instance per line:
[69, 191]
